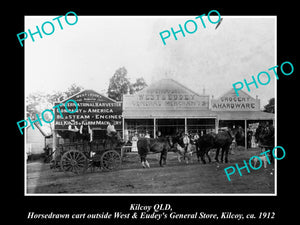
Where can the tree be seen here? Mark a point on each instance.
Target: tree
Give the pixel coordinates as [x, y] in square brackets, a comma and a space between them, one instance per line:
[37, 102]
[72, 90]
[270, 107]
[139, 85]
[59, 96]
[118, 85]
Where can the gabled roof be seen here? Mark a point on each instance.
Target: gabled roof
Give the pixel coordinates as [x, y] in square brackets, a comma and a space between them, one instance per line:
[232, 92]
[88, 90]
[165, 97]
[165, 84]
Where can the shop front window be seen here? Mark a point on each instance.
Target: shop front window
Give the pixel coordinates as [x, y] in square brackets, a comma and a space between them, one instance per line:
[200, 126]
[170, 127]
[141, 127]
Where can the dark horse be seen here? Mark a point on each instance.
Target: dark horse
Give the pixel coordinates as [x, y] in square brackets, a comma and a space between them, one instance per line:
[155, 145]
[264, 135]
[222, 140]
[239, 135]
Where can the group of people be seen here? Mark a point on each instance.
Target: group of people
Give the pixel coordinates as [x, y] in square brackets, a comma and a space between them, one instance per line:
[135, 139]
[86, 133]
[186, 138]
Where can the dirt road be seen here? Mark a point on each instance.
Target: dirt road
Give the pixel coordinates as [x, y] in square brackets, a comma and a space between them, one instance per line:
[175, 177]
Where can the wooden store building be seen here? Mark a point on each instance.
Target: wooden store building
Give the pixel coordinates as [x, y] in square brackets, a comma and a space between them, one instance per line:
[170, 107]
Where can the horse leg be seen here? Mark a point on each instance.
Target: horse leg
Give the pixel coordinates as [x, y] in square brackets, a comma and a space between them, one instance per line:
[187, 159]
[226, 154]
[147, 164]
[217, 154]
[209, 159]
[198, 152]
[198, 155]
[143, 161]
[222, 154]
[202, 157]
[178, 157]
[163, 158]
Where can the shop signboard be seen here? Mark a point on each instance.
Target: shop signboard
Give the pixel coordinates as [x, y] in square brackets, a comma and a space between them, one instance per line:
[166, 95]
[94, 109]
[230, 102]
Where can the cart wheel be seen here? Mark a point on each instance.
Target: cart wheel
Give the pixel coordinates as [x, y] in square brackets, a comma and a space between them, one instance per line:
[110, 160]
[74, 161]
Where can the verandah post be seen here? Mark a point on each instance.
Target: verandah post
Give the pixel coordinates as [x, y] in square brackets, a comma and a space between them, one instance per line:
[245, 134]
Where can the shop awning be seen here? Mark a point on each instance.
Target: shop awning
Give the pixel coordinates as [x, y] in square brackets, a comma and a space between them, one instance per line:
[245, 115]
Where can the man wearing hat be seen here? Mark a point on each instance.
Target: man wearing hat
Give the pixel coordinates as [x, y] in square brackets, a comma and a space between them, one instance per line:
[111, 131]
[111, 134]
[74, 129]
[86, 131]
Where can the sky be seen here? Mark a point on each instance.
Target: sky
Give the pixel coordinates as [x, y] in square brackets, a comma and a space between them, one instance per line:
[89, 52]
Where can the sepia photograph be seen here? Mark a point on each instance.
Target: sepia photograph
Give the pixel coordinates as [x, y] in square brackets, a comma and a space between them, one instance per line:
[150, 105]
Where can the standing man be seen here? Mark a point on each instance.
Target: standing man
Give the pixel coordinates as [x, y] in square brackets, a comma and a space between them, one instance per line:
[73, 131]
[111, 134]
[111, 131]
[86, 131]
[86, 134]
[158, 134]
[186, 141]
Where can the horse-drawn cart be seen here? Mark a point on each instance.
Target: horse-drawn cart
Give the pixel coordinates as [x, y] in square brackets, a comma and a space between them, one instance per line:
[78, 157]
